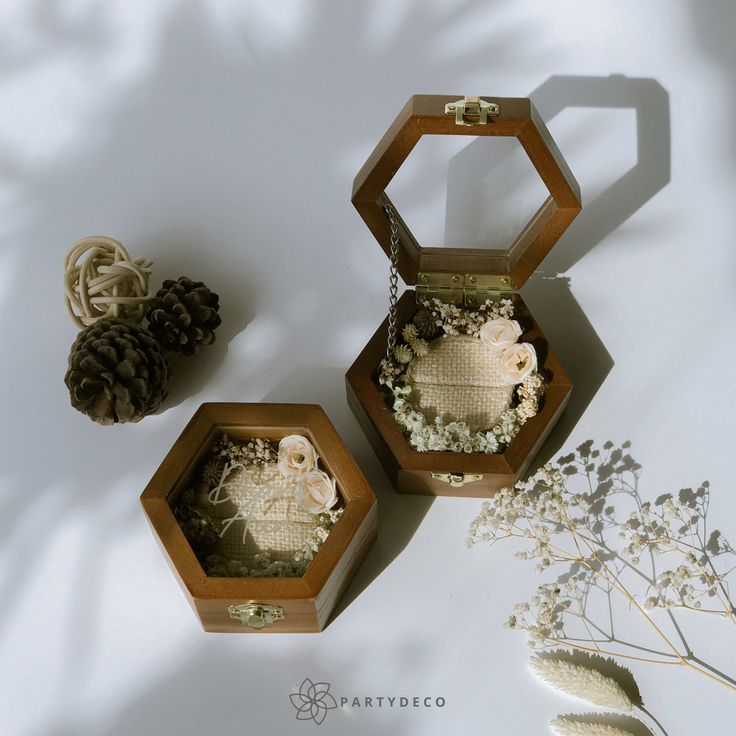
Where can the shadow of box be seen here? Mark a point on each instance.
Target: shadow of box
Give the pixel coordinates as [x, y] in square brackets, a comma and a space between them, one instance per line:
[446, 273]
[242, 604]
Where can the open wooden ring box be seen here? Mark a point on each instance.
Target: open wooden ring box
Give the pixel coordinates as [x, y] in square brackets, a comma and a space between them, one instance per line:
[463, 276]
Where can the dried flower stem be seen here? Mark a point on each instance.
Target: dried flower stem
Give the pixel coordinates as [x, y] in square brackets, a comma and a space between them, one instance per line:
[610, 577]
[545, 513]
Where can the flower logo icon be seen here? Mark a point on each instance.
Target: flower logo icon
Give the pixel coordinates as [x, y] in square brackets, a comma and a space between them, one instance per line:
[313, 701]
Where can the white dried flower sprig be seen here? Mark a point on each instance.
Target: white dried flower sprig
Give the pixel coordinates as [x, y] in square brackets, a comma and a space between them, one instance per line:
[226, 452]
[579, 533]
[253, 452]
[594, 724]
[582, 682]
[457, 436]
[454, 320]
[679, 526]
[403, 354]
[418, 345]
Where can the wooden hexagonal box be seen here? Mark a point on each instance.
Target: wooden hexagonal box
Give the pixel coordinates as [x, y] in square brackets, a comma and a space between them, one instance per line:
[226, 485]
[483, 389]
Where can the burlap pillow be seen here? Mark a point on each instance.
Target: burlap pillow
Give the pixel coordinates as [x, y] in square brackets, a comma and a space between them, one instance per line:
[459, 380]
[275, 523]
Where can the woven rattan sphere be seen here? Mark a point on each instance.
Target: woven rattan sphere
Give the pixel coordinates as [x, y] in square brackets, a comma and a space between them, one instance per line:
[101, 281]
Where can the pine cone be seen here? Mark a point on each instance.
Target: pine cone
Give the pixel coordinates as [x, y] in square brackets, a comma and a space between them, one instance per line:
[117, 372]
[183, 315]
[425, 324]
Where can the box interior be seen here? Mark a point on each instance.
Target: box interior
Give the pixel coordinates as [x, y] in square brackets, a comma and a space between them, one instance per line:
[458, 381]
[275, 526]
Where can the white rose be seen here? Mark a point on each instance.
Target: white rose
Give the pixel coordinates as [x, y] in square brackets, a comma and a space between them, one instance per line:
[499, 334]
[517, 362]
[316, 492]
[297, 456]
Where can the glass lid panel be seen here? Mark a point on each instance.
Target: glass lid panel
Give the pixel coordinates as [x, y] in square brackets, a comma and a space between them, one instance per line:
[460, 192]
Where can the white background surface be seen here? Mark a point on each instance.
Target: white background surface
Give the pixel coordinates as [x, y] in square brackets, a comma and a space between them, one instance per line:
[221, 140]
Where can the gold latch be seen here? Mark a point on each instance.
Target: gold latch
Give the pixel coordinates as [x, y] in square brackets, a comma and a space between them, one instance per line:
[456, 480]
[468, 289]
[472, 111]
[256, 615]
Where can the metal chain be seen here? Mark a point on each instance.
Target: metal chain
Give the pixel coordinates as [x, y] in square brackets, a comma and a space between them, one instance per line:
[393, 281]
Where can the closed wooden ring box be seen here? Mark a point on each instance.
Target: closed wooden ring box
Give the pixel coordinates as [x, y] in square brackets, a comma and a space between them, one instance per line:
[269, 605]
[446, 272]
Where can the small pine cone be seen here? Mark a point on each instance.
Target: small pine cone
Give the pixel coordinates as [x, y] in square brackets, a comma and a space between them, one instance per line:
[117, 372]
[426, 324]
[183, 315]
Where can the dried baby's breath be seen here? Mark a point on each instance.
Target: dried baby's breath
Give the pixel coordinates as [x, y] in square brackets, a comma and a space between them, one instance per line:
[253, 452]
[584, 517]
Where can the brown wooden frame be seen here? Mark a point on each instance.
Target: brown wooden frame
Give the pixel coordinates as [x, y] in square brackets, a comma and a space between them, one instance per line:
[307, 601]
[410, 470]
[425, 115]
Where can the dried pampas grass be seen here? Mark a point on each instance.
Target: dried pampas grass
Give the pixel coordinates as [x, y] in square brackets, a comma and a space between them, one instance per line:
[584, 681]
[594, 724]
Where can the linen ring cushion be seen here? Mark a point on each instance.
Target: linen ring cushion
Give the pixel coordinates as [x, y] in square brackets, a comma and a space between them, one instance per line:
[459, 380]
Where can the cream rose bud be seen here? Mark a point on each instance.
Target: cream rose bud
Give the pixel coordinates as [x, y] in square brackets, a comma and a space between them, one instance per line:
[316, 492]
[297, 456]
[517, 362]
[499, 334]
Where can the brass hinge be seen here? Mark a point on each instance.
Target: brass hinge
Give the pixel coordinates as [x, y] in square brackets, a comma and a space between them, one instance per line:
[256, 615]
[467, 289]
[457, 480]
[472, 111]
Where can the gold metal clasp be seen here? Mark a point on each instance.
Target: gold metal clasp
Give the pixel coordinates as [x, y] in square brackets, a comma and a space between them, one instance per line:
[256, 615]
[472, 111]
[456, 480]
[468, 289]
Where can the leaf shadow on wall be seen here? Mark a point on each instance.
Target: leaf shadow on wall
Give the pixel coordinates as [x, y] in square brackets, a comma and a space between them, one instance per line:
[548, 292]
[184, 139]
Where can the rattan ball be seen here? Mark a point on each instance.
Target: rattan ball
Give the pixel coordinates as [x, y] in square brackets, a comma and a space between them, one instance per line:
[101, 281]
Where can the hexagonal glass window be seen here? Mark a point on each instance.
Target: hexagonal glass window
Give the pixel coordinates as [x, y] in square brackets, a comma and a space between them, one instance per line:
[257, 507]
[461, 192]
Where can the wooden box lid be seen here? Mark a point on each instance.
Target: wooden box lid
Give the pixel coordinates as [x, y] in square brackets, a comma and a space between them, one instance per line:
[449, 115]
